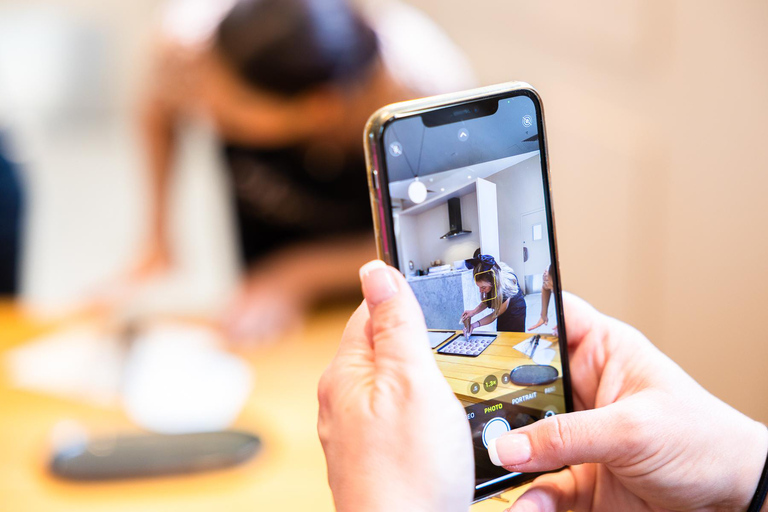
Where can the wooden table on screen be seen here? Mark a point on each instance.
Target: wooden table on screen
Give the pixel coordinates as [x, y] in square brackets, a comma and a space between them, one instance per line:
[288, 475]
[498, 359]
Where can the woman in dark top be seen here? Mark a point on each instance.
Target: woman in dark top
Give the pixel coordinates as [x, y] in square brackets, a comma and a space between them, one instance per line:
[499, 291]
[288, 86]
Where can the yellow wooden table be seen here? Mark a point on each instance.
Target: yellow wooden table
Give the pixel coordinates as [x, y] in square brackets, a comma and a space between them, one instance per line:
[289, 474]
[497, 360]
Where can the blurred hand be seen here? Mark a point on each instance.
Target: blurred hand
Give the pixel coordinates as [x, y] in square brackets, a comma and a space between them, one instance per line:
[542, 321]
[119, 290]
[395, 436]
[653, 439]
[466, 316]
[267, 305]
[154, 262]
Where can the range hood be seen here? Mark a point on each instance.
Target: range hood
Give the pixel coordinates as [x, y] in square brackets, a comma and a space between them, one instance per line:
[454, 219]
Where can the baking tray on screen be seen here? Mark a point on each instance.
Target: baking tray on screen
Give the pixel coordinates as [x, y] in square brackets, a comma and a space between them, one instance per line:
[460, 346]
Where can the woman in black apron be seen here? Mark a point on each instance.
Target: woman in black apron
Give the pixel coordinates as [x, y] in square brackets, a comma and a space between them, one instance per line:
[500, 291]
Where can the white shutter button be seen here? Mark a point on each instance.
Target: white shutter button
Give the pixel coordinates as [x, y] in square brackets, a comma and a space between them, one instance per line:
[494, 428]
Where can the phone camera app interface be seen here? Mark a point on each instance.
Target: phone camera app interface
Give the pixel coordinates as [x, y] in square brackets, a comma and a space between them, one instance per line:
[471, 228]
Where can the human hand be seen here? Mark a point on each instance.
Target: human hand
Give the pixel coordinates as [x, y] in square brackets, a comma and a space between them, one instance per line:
[650, 439]
[395, 436]
[543, 320]
[267, 305]
[466, 316]
[120, 290]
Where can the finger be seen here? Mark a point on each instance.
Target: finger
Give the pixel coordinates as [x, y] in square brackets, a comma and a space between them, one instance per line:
[356, 337]
[353, 358]
[580, 317]
[554, 492]
[603, 435]
[569, 489]
[397, 323]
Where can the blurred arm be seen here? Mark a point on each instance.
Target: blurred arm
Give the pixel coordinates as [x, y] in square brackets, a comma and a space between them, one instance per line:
[159, 141]
[321, 268]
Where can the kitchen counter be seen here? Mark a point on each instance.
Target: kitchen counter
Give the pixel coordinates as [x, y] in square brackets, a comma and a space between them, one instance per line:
[437, 276]
[444, 297]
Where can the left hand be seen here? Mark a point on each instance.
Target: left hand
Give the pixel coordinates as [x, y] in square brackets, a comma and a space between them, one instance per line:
[395, 436]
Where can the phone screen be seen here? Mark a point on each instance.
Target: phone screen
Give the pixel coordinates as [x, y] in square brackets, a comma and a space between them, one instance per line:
[472, 228]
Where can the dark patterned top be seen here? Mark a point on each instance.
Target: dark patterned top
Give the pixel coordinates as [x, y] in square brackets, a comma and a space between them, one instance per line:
[294, 194]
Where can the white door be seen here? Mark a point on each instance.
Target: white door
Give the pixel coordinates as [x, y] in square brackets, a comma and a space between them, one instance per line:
[535, 249]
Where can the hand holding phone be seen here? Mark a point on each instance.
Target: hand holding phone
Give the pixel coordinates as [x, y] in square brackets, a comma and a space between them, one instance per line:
[641, 443]
[635, 449]
[396, 407]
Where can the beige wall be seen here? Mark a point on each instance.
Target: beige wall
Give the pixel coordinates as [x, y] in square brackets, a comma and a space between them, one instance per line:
[520, 191]
[656, 115]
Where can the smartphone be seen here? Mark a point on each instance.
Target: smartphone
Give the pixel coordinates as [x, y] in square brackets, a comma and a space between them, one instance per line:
[461, 200]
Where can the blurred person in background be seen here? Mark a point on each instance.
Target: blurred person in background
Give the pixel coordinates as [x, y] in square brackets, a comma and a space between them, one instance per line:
[288, 86]
[10, 224]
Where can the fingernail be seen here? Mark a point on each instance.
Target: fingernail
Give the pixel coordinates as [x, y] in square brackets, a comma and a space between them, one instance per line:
[378, 284]
[509, 450]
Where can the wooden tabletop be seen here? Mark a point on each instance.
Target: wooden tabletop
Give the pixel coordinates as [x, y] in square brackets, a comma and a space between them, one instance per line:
[289, 474]
[462, 372]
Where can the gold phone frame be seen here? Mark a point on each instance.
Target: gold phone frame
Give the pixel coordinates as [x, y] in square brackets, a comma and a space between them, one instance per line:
[372, 141]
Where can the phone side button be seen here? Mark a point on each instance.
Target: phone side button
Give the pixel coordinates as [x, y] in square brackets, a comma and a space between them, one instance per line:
[375, 174]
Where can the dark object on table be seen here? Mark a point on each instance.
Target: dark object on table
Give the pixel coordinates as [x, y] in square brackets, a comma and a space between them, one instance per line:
[533, 375]
[11, 208]
[144, 455]
[534, 345]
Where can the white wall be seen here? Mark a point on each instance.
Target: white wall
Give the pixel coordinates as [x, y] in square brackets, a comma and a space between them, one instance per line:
[519, 190]
[420, 235]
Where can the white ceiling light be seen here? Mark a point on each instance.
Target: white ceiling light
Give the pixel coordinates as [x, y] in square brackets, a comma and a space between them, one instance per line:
[417, 191]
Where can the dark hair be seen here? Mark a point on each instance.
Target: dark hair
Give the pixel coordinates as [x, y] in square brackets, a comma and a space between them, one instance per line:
[291, 46]
[482, 262]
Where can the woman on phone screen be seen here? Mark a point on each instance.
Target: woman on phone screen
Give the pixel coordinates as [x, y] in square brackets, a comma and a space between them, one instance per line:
[500, 291]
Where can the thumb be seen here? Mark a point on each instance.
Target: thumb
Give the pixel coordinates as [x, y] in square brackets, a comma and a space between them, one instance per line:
[396, 322]
[602, 435]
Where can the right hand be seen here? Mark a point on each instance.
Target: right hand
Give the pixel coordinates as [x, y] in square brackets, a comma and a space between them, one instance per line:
[647, 435]
[466, 316]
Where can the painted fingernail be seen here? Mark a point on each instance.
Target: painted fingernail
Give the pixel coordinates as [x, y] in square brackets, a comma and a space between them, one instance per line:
[509, 450]
[378, 283]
